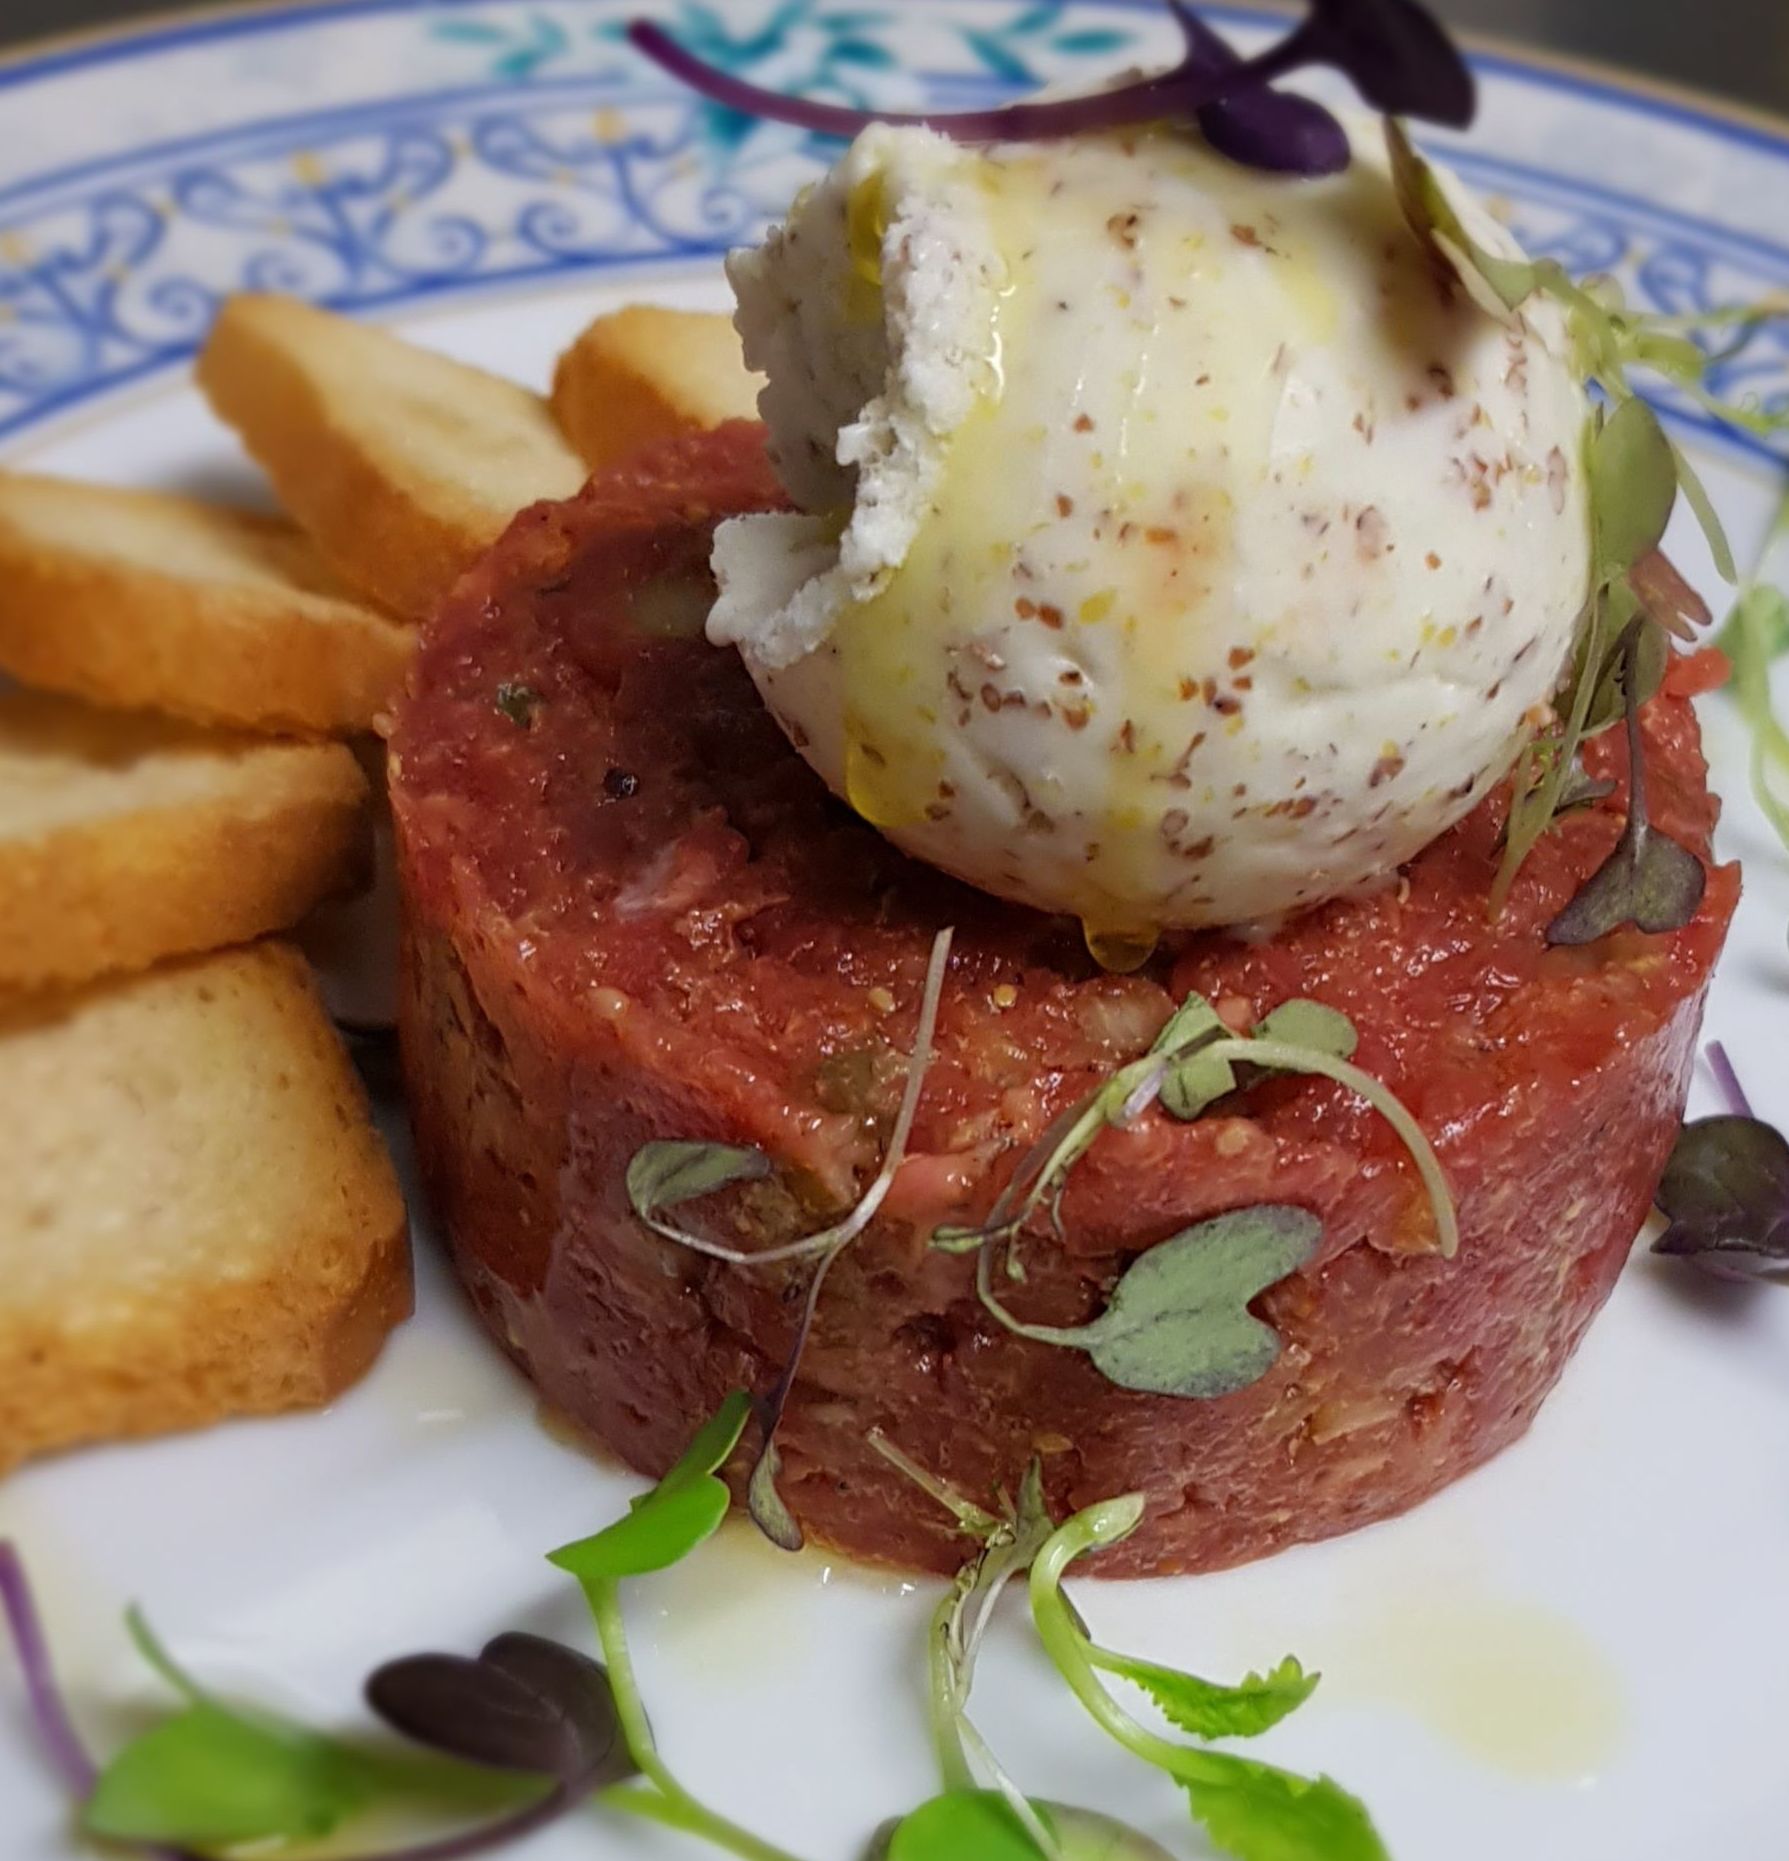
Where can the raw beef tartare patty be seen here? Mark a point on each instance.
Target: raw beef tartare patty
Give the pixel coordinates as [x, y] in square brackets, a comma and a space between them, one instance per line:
[633, 912]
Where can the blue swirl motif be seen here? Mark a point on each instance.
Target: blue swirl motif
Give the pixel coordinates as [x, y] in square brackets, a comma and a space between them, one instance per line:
[563, 150]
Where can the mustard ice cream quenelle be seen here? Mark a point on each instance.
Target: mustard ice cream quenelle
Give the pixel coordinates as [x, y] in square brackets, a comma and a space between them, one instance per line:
[1177, 545]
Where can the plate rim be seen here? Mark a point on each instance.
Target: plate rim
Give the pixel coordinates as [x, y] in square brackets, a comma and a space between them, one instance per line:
[1731, 119]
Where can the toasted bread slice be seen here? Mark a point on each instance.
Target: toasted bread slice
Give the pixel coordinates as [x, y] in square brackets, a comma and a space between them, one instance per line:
[125, 839]
[645, 374]
[200, 1220]
[144, 600]
[403, 465]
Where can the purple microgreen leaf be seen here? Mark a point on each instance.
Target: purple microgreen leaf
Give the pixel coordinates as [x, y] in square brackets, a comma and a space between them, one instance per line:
[1662, 591]
[682, 1511]
[1649, 881]
[525, 1705]
[1725, 1193]
[1262, 128]
[764, 1502]
[1397, 56]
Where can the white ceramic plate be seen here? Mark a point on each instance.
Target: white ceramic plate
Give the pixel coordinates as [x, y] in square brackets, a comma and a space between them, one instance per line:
[1576, 1655]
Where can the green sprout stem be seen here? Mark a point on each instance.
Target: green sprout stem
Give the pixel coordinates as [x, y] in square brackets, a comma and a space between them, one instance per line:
[667, 1802]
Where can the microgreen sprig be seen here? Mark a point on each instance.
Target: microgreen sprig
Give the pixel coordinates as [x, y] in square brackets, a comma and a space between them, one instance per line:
[1393, 51]
[1178, 1322]
[1249, 1810]
[667, 1173]
[1725, 1192]
[1755, 637]
[528, 1712]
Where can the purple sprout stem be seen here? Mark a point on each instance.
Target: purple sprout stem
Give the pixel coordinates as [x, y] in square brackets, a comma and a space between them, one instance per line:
[1182, 90]
[1727, 1078]
[54, 1727]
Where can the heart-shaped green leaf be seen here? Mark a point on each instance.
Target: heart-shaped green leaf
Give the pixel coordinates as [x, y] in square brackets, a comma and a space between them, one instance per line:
[1633, 487]
[681, 1512]
[663, 1174]
[1178, 1323]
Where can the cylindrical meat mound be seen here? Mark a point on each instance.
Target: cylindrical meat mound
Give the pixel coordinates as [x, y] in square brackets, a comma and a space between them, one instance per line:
[633, 913]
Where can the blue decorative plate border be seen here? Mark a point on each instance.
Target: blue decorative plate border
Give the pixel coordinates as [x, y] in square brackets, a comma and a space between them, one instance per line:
[558, 153]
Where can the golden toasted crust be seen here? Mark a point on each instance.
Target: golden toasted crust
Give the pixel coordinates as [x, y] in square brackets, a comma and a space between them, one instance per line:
[127, 839]
[145, 600]
[201, 1220]
[644, 374]
[403, 465]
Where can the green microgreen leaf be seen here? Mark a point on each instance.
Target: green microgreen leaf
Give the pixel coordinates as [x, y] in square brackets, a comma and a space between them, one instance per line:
[211, 1777]
[1725, 1193]
[1695, 495]
[1755, 636]
[1178, 1323]
[1633, 486]
[1497, 285]
[1250, 1811]
[682, 1511]
[980, 1825]
[1207, 1709]
[1256, 1812]
[1648, 881]
[1315, 1026]
[668, 1173]
[1192, 1080]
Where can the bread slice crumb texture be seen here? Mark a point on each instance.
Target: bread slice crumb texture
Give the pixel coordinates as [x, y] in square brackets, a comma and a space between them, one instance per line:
[201, 1220]
[125, 839]
[145, 600]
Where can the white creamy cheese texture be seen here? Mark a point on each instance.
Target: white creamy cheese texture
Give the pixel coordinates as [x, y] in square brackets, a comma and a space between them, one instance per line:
[1178, 545]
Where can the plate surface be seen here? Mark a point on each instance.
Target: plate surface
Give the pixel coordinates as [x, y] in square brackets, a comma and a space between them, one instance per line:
[1564, 1657]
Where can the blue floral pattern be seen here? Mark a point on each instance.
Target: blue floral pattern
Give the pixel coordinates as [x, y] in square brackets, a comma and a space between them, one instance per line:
[561, 150]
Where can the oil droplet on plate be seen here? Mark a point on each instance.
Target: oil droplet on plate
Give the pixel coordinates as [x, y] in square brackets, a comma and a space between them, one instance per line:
[1520, 1688]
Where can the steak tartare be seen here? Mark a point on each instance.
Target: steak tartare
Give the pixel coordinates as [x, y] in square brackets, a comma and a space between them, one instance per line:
[634, 913]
